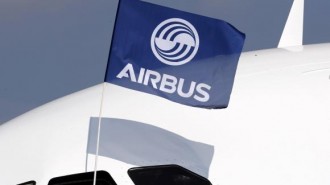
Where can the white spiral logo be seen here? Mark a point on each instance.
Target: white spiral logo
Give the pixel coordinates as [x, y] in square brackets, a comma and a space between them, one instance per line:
[175, 42]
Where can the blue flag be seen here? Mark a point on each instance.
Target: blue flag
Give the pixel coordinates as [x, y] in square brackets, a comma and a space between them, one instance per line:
[180, 56]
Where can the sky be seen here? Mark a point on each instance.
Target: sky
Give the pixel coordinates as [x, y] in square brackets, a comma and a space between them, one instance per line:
[49, 49]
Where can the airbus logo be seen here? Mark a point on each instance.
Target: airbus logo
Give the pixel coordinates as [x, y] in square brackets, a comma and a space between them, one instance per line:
[175, 42]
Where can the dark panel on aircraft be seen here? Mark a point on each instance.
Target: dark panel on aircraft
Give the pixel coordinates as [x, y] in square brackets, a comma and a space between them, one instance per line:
[28, 183]
[102, 178]
[165, 175]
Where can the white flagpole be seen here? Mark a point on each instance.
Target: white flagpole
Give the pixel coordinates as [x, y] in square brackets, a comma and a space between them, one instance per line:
[98, 134]
[101, 107]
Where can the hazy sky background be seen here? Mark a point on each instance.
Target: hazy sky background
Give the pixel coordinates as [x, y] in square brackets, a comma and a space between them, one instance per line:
[49, 49]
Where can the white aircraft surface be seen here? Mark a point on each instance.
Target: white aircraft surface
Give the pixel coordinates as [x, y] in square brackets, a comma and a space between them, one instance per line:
[276, 130]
